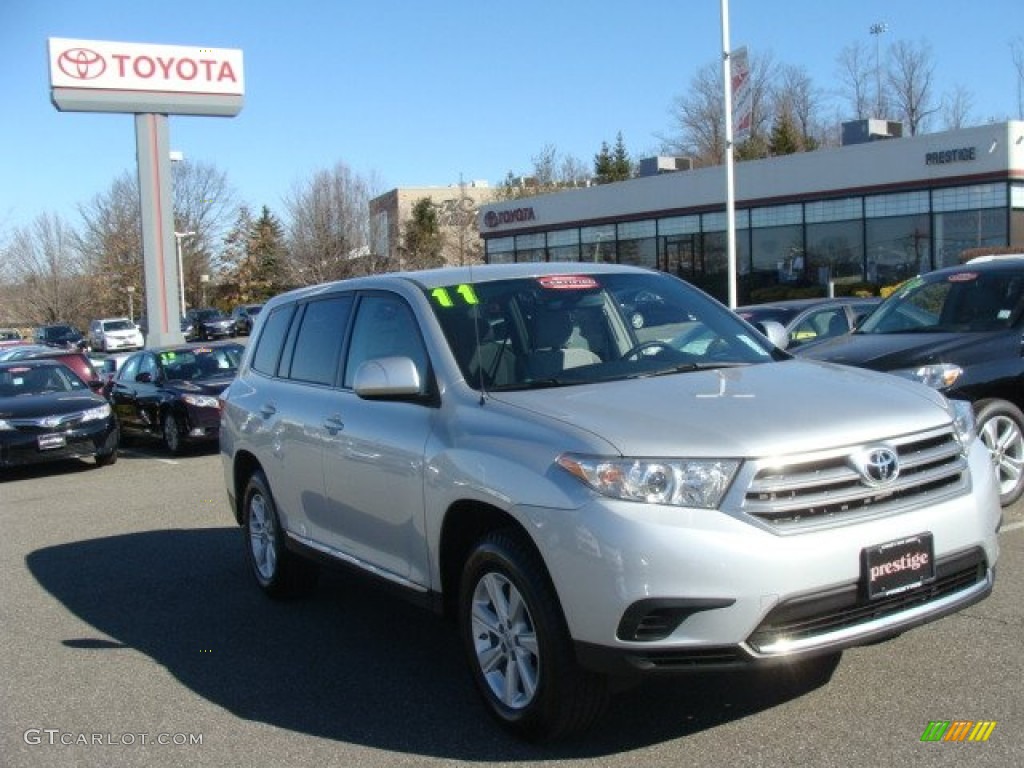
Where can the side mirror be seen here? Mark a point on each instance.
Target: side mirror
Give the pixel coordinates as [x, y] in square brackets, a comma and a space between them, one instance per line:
[145, 378]
[387, 377]
[775, 332]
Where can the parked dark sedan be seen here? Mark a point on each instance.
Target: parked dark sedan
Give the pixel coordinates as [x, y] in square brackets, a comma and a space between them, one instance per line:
[209, 324]
[171, 392]
[60, 335]
[958, 330]
[243, 316]
[47, 413]
[807, 320]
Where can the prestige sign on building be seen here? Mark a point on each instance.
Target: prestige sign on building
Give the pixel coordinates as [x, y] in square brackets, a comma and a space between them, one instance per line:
[104, 76]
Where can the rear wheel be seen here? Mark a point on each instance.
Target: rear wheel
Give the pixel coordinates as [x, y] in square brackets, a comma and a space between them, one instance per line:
[518, 645]
[278, 572]
[1001, 429]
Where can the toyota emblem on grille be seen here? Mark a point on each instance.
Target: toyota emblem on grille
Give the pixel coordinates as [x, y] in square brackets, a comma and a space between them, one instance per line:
[877, 466]
[82, 63]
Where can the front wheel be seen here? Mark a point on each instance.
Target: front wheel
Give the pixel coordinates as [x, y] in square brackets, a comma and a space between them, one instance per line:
[1001, 429]
[171, 433]
[518, 645]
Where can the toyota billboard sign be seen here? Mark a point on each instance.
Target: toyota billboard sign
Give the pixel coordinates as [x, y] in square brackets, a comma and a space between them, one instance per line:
[93, 75]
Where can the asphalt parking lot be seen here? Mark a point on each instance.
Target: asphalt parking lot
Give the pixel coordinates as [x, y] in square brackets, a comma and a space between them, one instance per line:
[132, 635]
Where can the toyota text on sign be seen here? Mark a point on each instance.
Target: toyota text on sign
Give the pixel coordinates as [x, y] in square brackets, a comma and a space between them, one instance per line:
[95, 64]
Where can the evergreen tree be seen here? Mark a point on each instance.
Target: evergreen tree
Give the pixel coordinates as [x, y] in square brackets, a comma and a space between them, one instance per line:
[613, 164]
[422, 241]
[265, 250]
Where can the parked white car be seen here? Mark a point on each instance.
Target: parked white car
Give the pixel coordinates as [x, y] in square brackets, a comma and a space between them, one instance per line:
[115, 334]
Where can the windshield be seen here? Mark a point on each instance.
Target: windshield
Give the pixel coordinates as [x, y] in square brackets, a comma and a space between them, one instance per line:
[579, 328]
[961, 301]
[199, 363]
[29, 379]
[118, 325]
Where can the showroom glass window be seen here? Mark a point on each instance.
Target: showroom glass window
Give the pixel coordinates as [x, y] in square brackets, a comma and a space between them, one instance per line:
[598, 243]
[501, 250]
[898, 238]
[777, 244]
[835, 239]
[638, 244]
[531, 247]
[968, 217]
[564, 245]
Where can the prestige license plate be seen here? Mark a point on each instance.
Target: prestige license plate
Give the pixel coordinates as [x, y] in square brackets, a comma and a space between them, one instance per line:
[899, 565]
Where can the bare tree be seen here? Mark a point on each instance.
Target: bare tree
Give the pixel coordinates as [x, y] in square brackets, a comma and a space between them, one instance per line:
[698, 116]
[110, 243]
[1017, 55]
[910, 79]
[956, 108]
[855, 73]
[796, 96]
[45, 262]
[329, 229]
[205, 204]
[550, 172]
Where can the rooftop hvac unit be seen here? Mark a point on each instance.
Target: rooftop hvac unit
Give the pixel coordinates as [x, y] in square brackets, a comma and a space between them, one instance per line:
[652, 166]
[871, 129]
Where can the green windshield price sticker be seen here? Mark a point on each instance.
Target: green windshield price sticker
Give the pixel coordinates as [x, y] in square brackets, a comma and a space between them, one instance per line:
[444, 298]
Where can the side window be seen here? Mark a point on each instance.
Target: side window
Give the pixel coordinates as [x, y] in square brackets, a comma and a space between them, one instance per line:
[130, 368]
[384, 326]
[148, 365]
[318, 342]
[268, 347]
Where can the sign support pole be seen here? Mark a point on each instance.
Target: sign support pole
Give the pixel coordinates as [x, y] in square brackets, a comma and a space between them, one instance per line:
[152, 147]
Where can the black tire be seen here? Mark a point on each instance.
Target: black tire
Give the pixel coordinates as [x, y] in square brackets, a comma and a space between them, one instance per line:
[1001, 428]
[170, 430]
[278, 572]
[106, 459]
[550, 695]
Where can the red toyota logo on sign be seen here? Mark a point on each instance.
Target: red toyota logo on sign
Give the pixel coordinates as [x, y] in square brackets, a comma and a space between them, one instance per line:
[82, 63]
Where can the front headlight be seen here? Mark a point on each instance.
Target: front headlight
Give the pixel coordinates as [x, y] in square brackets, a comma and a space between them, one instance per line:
[938, 376]
[676, 482]
[963, 422]
[200, 401]
[5, 425]
[98, 413]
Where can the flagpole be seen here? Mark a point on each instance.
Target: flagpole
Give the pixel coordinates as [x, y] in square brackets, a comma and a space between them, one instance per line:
[730, 194]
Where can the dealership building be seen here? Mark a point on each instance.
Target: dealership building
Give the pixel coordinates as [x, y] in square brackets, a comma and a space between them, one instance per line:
[874, 211]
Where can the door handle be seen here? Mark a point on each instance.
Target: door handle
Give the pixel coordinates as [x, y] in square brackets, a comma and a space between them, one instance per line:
[267, 410]
[334, 424]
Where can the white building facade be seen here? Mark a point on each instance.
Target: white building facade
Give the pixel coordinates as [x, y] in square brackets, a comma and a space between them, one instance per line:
[865, 215]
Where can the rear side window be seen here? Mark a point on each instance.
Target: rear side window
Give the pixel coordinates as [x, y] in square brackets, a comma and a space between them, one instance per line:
[318, 342]
[268, 348]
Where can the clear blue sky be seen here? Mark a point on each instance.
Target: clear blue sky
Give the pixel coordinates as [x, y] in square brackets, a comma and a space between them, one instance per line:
[416, 93]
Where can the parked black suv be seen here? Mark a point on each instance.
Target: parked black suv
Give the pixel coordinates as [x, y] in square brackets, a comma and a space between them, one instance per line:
[961, 331]
[208, 324]
[60, 335]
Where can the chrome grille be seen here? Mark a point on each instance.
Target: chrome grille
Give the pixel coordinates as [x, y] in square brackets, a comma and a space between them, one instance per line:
[825, 487]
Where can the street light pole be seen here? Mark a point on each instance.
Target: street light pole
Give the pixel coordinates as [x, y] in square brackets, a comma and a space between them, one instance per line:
[178, 236]
[878, 29]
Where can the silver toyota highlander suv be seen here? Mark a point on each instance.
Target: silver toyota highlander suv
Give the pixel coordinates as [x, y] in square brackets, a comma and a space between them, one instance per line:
[591, 500]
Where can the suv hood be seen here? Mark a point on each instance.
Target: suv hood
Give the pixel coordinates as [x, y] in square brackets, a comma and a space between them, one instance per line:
[757, 410]
[890, 351]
